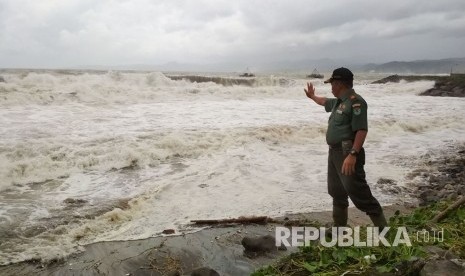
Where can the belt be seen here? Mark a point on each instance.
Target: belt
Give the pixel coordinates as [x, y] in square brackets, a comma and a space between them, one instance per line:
[335, 146]
[344, 144]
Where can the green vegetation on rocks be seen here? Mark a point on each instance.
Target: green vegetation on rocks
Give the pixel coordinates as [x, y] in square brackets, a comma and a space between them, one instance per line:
[316, 259]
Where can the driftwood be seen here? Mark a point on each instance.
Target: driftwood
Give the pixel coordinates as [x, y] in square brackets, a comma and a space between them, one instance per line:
[444, 213]
[241, 220]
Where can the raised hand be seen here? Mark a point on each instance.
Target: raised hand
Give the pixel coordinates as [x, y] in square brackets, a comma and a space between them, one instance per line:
[310, 91]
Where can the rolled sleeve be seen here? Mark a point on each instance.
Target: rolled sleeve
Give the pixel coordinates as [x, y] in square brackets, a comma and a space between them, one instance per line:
[329, 104]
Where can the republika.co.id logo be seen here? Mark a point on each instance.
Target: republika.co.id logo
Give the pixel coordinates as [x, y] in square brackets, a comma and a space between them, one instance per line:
[346, 236]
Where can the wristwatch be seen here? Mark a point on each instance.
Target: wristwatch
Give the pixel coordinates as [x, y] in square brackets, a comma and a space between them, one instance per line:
[353, 152]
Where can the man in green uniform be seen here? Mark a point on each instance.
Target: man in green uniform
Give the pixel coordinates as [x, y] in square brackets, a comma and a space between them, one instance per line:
[347, 130]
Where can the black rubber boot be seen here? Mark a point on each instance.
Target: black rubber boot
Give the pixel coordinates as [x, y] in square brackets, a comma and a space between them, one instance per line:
[379, 220]
[340, 215]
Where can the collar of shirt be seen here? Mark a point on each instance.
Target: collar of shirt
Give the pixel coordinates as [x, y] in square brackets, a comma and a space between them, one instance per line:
[345, 95]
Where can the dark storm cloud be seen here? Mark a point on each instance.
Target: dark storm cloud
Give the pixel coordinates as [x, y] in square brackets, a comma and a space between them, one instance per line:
[67, 33]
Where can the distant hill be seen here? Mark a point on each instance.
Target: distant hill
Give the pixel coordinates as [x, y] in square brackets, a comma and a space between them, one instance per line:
[440, 66]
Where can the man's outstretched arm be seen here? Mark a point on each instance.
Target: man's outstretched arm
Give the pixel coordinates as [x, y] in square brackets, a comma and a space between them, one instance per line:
[310, 91]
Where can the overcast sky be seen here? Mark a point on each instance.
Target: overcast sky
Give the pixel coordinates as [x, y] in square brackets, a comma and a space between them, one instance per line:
[67, 33]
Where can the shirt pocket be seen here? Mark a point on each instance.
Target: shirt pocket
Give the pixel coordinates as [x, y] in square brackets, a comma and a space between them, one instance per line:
[340, 118]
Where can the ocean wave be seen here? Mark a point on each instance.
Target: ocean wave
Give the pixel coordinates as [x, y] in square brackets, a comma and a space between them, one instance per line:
[231, 81]
[44, 160]
[116, 87]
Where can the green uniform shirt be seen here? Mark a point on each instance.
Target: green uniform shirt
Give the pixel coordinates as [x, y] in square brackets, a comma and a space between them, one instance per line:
[348, 114]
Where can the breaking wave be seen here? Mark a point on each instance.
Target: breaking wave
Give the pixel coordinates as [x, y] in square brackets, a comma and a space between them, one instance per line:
[45, 160]
[116, 87]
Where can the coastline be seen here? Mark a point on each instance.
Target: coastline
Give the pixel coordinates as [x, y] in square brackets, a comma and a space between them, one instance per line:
[217, 247]
[444, 86]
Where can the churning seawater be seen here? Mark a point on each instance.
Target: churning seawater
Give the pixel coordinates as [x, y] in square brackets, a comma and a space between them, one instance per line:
[87, 157]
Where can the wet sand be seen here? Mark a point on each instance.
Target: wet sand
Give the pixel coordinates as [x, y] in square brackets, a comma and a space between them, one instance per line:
[218, 247]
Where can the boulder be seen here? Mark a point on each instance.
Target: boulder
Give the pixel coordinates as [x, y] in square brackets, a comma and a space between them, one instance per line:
[443, 268]
[457, 89]
[439, 252]
[2, 79]
[260, 244]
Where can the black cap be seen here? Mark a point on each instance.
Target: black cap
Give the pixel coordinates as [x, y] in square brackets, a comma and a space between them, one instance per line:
[341, 74]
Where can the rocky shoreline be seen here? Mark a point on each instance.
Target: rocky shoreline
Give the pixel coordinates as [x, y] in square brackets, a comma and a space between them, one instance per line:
[226, 249]
[445, 86]
[443, 178]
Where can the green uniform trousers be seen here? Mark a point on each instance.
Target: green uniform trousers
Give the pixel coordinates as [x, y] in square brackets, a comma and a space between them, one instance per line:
[355, 186]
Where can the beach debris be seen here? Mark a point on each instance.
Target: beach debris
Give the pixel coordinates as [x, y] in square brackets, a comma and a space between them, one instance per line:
[444, 213]
[241, 220]
[168, 231]
[169, 265]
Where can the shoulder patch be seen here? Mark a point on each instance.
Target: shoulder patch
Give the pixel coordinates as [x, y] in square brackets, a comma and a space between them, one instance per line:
[356, 105]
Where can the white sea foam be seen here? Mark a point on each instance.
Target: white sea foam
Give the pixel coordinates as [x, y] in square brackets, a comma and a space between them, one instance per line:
[172, 151]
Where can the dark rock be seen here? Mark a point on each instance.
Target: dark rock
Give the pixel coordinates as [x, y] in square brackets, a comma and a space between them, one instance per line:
[428, 196]
[204, 271]
[427, 193]
[261, 244]
[442, 194]
[2, 79]
[452, 169]
[413, 266]
[439, 252]
[452, 196]
[458, 93]
[393, 78]
[386, 181]
[74, 201]
[457, 89]
[168, 231]
[435, 92]
[449, 187]
[377, 273]
[443, 268]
